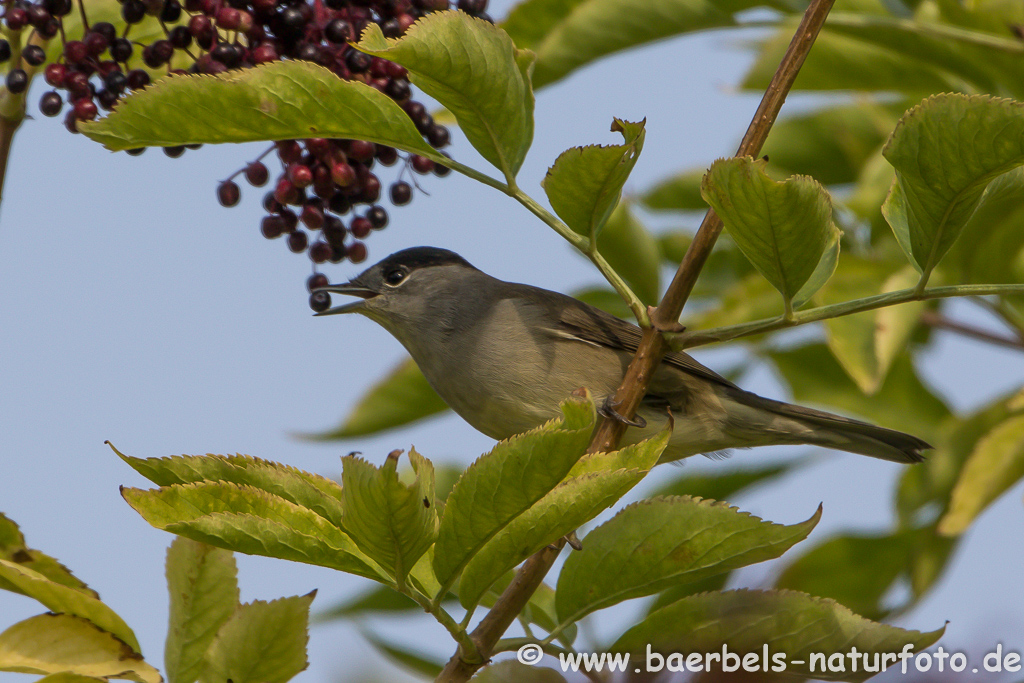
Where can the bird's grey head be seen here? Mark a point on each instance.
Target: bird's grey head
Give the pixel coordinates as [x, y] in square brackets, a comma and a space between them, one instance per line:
[409, 290]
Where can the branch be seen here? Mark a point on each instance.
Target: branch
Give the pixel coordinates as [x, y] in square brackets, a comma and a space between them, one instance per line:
[812, 315]
[653, 347]
[937, 320]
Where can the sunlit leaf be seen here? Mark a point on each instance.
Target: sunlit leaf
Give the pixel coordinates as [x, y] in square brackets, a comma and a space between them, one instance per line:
[304, 489]
[203, 587]
[585, 183]
[14, 549]
[722, 485]
[507, 481]
[656, 543]
[63, 643]
[472, 68]
[275, 101]
[594, 484]
[945, 151]
[262, 642]
[785, 229]
[250, 521]
[392, 522]
[66, 600]
[792, 626]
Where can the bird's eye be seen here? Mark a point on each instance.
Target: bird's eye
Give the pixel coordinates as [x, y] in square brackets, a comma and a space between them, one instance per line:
[395, 277]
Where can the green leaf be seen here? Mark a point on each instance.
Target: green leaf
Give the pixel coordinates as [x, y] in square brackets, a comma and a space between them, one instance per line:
[585, 183]
[511, 671]
[277, 101]
[856, 570]
[507, 481]
[660, 542]
[751, 298]
[251, 521]
[718, 485]
[902, 402]
[262, 642]
[995, 465]
[633, 252]
[680, 591]
[866, 344]
[595, 483]
[203, 586]
[63, 643]
[607, 299]
[725, 268]
[792, 626]
[13, 548]
[568, 34]
[392, 522]
[67, 677]
[319, 494]
[471, 68]
[785, 229]
[415, 662]
[67, 600]
[945, 151]
[680, 192]
[404, 396]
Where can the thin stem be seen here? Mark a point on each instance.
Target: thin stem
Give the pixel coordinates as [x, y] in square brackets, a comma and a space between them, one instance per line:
[939, 321]
[610, 274]
[811, 315]
[457, 631]
[1010, 315]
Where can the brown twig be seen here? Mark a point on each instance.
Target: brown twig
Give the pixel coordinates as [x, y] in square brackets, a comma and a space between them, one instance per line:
[937, 320]
[652, 346]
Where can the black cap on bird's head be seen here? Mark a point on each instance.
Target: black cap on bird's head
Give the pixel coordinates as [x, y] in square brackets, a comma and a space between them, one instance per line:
[389, 274]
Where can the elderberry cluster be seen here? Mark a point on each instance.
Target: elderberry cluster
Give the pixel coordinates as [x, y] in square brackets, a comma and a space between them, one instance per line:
[321, 180]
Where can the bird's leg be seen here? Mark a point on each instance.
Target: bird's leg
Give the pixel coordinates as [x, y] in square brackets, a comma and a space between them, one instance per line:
[571, 539]
[607, 410]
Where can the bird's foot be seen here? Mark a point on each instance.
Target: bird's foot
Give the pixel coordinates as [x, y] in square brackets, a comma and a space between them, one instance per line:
[607, 410]
[571, 539]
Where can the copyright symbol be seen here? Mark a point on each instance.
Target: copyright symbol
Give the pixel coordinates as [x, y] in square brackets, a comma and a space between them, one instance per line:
[529, 654]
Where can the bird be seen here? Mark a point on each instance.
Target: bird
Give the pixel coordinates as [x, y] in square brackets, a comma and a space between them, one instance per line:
[503, 356]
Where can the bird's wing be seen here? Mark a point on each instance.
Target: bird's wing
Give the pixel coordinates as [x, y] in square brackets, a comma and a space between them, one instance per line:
[590, 325]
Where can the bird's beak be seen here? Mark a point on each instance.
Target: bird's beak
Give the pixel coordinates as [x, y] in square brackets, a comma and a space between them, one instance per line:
[351, 289]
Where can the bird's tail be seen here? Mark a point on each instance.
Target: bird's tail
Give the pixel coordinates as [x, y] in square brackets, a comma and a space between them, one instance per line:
[842, 433]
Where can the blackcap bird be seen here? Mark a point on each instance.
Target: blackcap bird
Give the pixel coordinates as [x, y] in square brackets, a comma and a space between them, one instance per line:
[503, 355]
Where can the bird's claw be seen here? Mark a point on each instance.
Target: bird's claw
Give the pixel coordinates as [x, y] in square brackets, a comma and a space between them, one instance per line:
[571, 539]
[607, 410]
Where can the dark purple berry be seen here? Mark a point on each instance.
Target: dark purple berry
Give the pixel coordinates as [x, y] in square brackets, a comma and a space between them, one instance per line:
[121, 49]
[256, 173]
[361, 150]
[320, 252]
[171, 11]
[85, 110]
[312, 217]
[473, 7]
[316, 281]
[133, 11]
[33, 55]
[300, 175]
[137, 79]
[398, 89]
[228, 193]
[291, 221]
[105, 29]
[339, 204]
[320, 301]
[338, 31]
[360, 227]
[107, 99]
[175, 151]
[297, 241]
[75, 51]
[37, 15]
[17, 18]
[58, 8]
[272, 227]
[356, 252]
[371, 189]
[115, 81]
[50, 103]
[5, 51]
[421, 164]
[387, 155]
[17, 80]
[391, 28]
[378, 217]
[401, 193]
[54, 74]
[357, 62]
[180, 37]
[441, 170]
[438, 136]
[135, 151]
[95, 43]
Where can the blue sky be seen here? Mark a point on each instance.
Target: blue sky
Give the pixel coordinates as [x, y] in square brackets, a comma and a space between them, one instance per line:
[134, 308]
